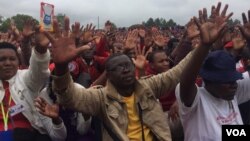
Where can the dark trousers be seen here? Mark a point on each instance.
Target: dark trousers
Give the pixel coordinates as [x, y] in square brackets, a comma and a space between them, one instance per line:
[245, 112]
[22, 134]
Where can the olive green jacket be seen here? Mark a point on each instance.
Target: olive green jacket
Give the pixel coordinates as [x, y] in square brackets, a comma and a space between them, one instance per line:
[107, 104]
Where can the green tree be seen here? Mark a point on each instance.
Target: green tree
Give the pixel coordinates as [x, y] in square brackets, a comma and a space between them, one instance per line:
[1, 19]
[171, 23]
[160, 22]
[236, 22]
[157, 22]
[232, 22]
[5, 25]
[163, 23]
[19, 21]
[150, 22]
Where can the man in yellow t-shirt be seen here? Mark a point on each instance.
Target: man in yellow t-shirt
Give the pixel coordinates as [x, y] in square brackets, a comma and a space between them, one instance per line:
[134, 131]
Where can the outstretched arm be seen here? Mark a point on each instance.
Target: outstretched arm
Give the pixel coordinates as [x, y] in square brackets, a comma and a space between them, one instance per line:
[209, 32]
[70, 94]
[38, 71]
[64, 49]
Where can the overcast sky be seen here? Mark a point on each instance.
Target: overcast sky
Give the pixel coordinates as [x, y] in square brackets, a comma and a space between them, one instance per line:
[121, 12]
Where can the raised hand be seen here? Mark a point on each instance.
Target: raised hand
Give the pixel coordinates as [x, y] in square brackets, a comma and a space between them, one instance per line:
[217, 17]
[28, 29]
[6, 37]
[13, 30]
[46, 109]
[120, 37]
[158, 39]
[87, 35]
[132, 40]
[63, 46]
[76, 30]
[141, 54]
[211, 30]
[245, 29]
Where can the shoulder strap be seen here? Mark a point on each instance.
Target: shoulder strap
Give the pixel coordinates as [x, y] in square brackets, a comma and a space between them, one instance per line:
[141, 120]
[110, 132]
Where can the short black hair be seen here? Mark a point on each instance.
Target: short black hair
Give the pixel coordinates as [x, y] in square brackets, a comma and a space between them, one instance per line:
[6, 45]
[151, 55]
[112, 56]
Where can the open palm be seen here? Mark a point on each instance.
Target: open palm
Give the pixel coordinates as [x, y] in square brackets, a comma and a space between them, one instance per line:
[63, 47]
[49, 110]
[209, 32]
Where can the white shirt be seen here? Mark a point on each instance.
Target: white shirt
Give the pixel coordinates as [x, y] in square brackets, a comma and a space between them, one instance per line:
[202, 121]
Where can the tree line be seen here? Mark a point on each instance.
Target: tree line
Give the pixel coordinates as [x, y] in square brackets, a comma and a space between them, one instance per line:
[19, 20]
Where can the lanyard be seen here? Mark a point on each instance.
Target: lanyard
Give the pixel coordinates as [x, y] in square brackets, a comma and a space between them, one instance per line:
[5, 115]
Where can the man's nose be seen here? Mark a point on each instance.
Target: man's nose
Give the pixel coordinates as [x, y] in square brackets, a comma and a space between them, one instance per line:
[125, 69]
[7, 62]
[166, 63]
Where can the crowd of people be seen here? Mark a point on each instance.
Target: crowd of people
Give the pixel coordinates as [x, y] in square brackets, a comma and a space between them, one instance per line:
[125, 84]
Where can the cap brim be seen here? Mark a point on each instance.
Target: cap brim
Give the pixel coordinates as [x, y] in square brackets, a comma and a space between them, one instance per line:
[221, 76]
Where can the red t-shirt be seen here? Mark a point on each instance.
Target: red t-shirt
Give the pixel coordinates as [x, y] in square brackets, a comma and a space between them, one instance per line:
[166, 100]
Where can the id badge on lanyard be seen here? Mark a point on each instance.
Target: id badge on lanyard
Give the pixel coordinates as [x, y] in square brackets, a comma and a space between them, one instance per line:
[5, 115]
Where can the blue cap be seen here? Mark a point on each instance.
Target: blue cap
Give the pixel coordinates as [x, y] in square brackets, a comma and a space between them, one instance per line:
[220, 67]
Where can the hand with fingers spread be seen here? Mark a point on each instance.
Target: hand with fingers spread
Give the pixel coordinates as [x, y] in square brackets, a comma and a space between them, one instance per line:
[13, 30]
[245, 29]
[7, 37]
[76, 30]
[211, 30]
[140, 61]
[132, 39]
[4, 37]
[28, 29]
[63, 46]
[46, 109]
[87, 35]
[217, 17]
[158, 39]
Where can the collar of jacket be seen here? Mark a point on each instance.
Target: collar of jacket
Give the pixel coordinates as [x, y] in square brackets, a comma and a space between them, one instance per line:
[141, 92]
[11, 82]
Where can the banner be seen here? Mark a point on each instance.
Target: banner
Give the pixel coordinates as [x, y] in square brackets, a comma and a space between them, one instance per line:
[46, 16]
